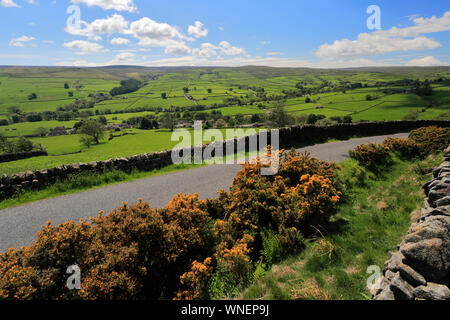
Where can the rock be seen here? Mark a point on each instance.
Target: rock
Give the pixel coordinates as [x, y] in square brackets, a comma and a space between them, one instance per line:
[443, 201]
[437, 226]
[385, 294]
[412, 276]
[402, 290]
[432, 291]
[436, 194]
[395, 264]
[429, 257]
[416, 215]
[439, 211]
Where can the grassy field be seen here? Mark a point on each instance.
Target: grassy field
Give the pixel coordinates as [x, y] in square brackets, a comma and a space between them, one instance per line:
[209, 86]
[68, 149]
[372, 222]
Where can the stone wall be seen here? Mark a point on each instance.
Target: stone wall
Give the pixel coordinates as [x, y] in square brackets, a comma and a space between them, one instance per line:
[420, 268]
[292, 136]
[7, 157]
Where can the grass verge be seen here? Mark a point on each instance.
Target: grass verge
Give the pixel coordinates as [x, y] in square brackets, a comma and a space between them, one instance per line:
[83, 182]
[375, 216]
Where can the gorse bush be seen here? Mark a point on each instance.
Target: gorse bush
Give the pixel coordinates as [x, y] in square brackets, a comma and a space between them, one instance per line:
[405, 148]
[189, 249]
[420, 143]
[372, 156]
[434, 139]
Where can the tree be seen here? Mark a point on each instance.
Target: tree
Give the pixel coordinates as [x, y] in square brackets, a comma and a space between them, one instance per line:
[87, 140]
[280, 117]
[32, 96]
[145, 124]
[66, 86]
[313, 118]
[168, 121]
[347, 119]
[220, 123]
[307, 100]
[24, 145]
[186, 90]
[13, 110]
[254, 118]
[164, 95]
[41, 132]
[126, 86]
[93, 129]
[70, 93]
[6, 146]
[368, 97]
[239, 118]
[209, 90]
[102, 120]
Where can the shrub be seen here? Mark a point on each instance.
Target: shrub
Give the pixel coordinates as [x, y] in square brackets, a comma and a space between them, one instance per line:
[135, 252]
[405, 148]
[434, 139]
[286, 205]
[179, 251]
[372, 156]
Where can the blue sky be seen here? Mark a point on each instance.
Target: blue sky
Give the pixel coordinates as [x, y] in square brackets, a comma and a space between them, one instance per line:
[289, 33]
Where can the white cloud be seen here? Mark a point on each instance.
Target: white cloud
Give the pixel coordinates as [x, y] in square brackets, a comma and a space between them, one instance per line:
[113, 24]
[77, 63]
[9, 4]
[119, 41]
[276, 53]
[122, 58]
[373, 44]
[193, 60]
[85, 47]
[209, 50]
[227, 49]
[118, 5]
[385, 41]
[177, 48]
[20, 41]
[197, 30]
[150, 32]
[427, 61]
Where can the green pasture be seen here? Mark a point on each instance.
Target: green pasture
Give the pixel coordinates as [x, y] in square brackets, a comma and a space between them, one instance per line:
[68, 149]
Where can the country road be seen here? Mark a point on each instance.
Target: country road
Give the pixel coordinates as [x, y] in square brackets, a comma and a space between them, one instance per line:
[19, 225]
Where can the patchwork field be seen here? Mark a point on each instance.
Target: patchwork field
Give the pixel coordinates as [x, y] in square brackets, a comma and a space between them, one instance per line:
[231, 94]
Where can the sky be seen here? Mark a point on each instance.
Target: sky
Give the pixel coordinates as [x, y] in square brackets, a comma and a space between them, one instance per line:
[283, 33]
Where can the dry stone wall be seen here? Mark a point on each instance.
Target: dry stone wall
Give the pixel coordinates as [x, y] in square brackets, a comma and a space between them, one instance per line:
[291, 136]
[420, 269]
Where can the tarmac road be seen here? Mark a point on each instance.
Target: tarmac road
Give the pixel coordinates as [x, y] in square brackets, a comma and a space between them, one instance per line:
[19, 225]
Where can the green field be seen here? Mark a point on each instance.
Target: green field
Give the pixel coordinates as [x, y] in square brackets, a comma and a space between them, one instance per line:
[68, 149]
[212, 89]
